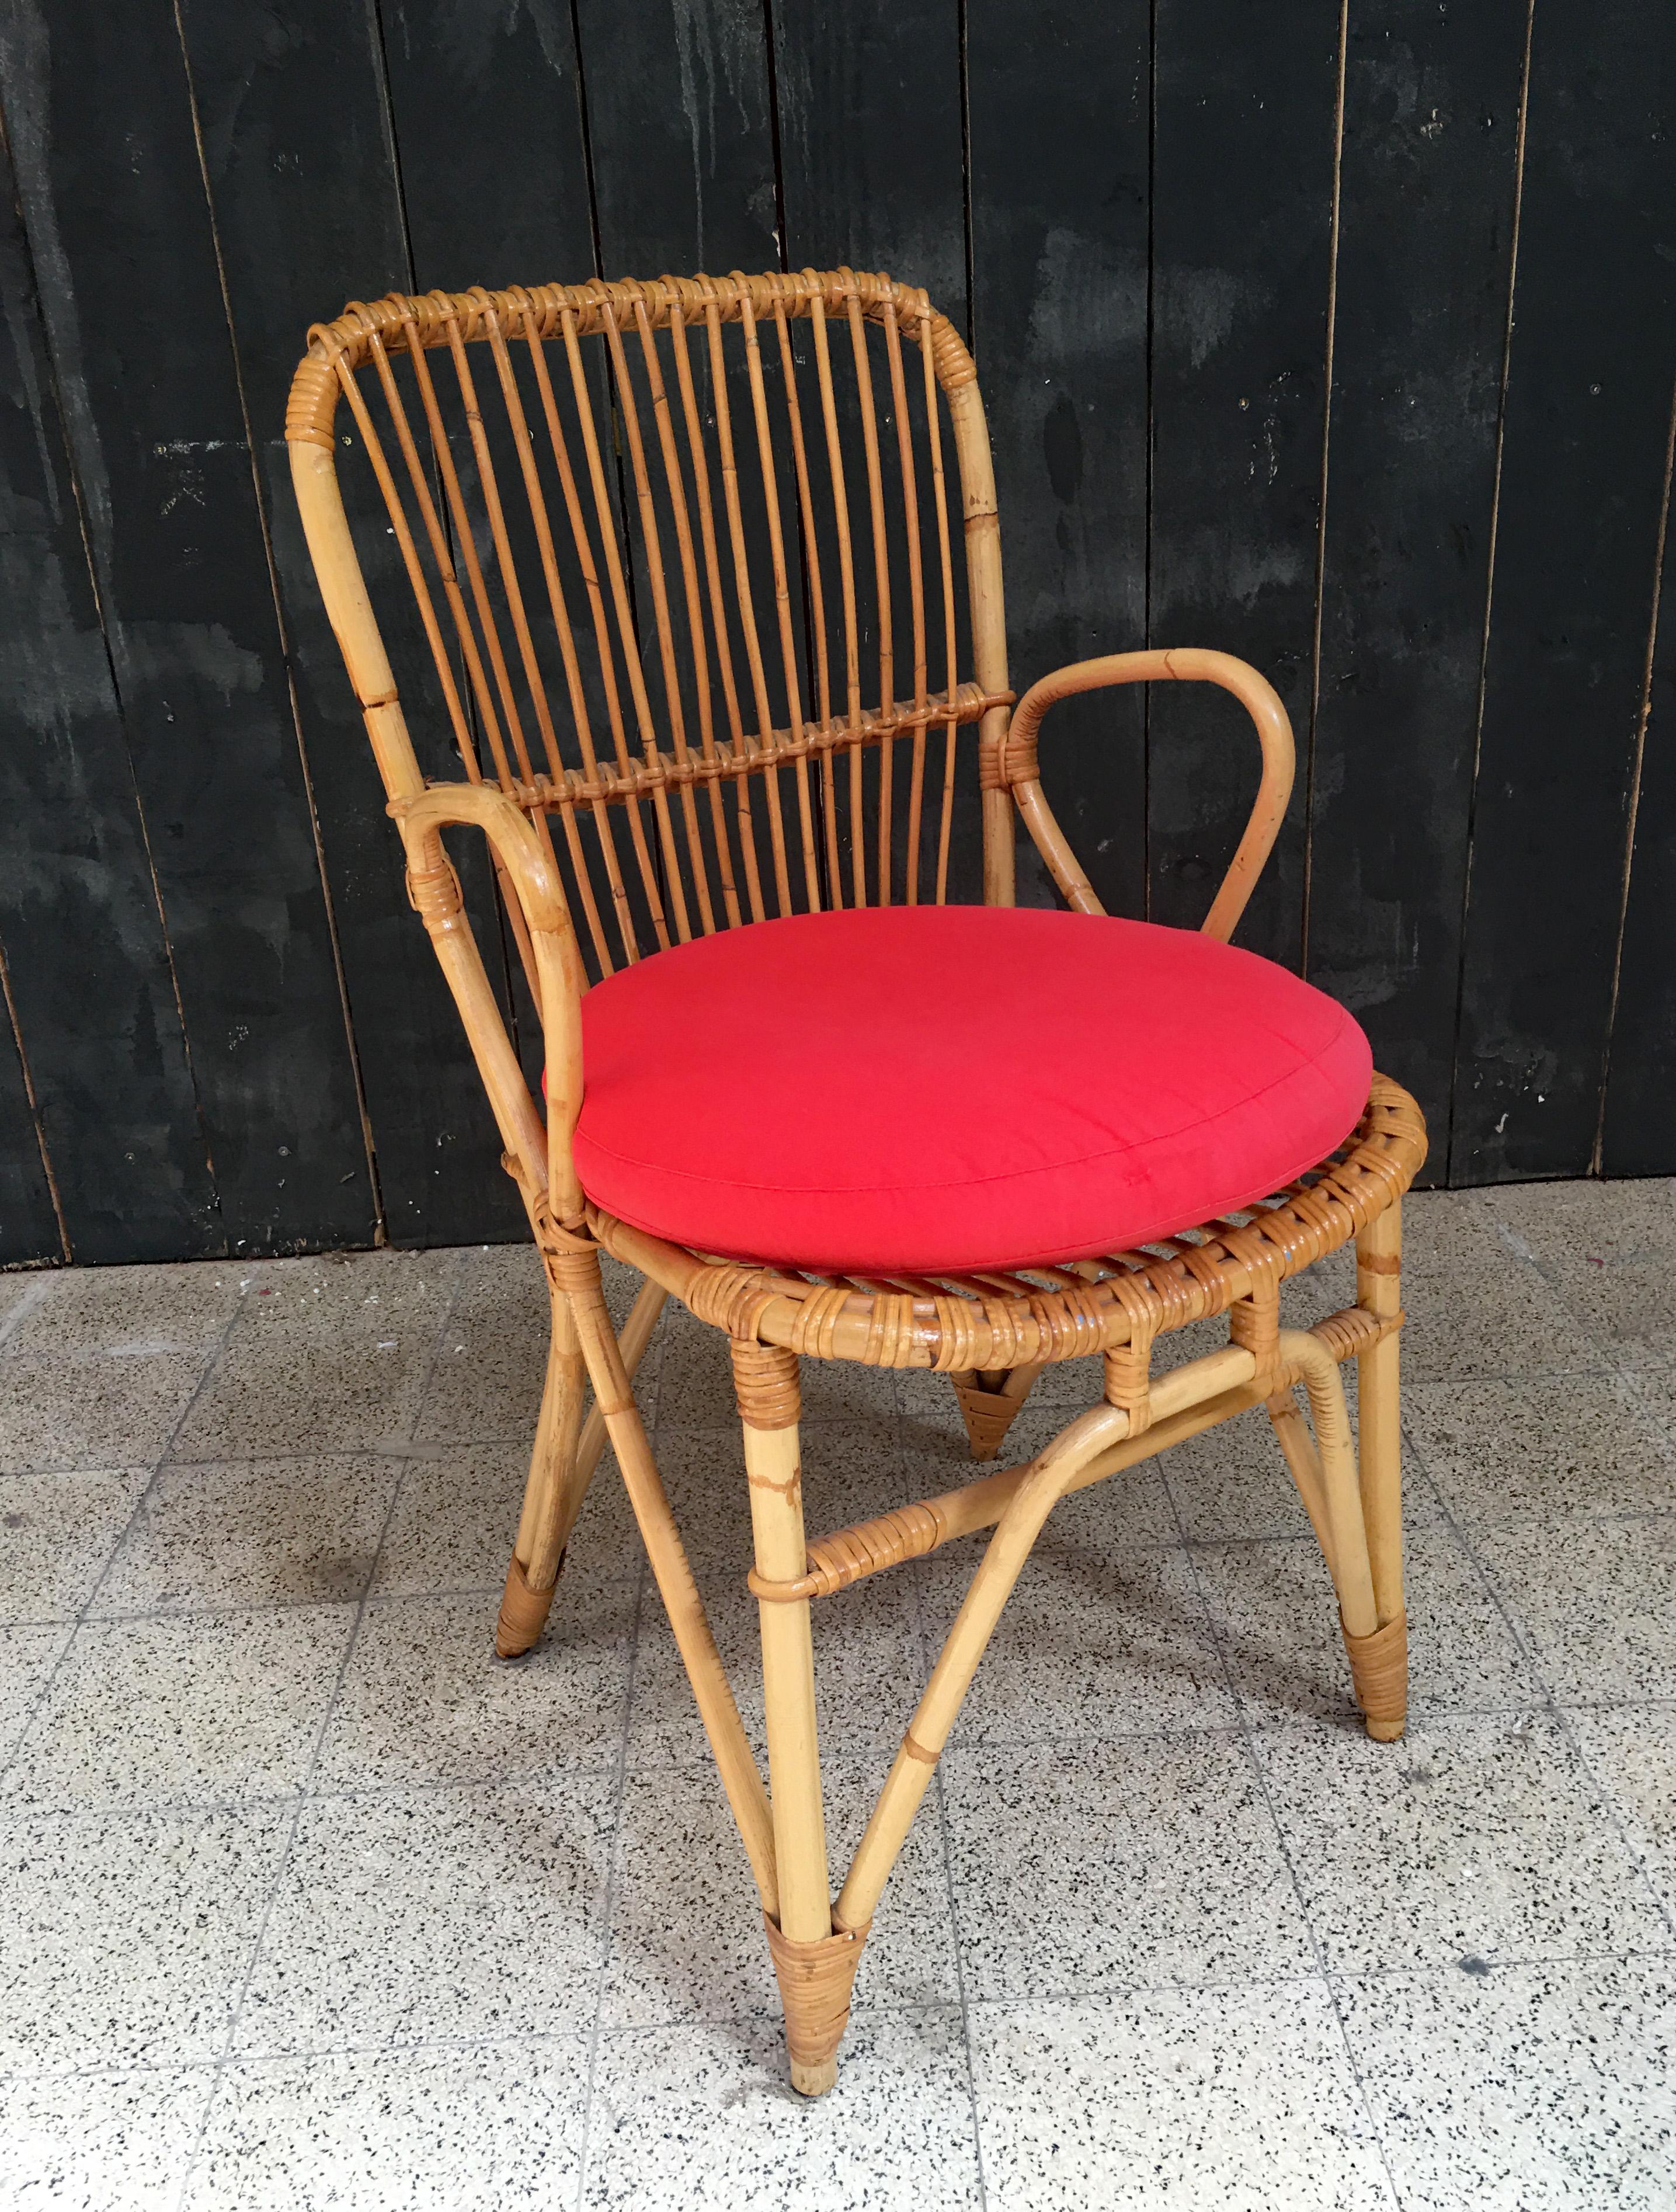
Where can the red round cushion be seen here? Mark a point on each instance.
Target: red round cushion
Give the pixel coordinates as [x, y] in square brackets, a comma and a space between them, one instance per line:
[926, 1089]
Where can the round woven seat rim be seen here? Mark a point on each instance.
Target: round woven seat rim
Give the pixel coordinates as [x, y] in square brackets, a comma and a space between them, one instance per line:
[1044, 1315]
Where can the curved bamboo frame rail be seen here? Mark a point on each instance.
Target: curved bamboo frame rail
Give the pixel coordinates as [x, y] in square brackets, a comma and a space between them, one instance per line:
[697, 651]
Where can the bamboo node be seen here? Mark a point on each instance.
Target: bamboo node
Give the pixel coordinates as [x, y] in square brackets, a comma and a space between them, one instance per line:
[1379, 1670]
[816, 1978]
[765, 1383]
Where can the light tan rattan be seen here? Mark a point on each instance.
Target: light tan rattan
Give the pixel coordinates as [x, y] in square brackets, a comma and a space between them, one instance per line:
[683, 555]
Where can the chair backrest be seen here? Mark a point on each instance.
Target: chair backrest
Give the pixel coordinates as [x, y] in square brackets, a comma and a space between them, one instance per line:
[687, 595]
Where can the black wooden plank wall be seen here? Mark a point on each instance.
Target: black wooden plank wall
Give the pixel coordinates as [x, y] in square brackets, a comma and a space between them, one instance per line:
[1341, 335]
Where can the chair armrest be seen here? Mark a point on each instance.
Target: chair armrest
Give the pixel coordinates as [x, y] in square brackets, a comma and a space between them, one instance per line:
[526, 869]
[1020, 772]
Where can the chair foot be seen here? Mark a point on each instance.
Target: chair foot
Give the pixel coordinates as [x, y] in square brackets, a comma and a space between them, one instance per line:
[1379, 1670]
[523, 1611]
[815, 1983]
[988, 1414]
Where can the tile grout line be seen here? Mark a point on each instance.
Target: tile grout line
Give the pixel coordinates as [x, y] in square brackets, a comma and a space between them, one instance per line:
[1073, 1994]
[1551, 1705]
[1260, 1772]
[236, 2012]
[211, 1362]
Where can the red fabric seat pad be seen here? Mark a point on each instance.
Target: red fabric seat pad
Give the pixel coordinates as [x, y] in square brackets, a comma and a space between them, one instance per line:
[932, 1089]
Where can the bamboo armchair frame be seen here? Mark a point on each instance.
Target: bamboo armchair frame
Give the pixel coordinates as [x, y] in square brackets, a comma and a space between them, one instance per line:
[788, 727]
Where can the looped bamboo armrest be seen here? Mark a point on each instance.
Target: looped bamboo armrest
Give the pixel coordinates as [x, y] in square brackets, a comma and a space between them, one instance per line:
[1020, 771]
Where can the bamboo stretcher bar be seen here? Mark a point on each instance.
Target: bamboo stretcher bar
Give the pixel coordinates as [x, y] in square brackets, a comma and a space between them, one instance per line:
[1186, 1401]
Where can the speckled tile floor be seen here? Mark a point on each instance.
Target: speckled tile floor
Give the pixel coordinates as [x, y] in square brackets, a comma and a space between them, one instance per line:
[307, 1901]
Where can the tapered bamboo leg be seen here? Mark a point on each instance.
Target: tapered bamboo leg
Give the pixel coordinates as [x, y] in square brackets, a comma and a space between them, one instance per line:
[552, 1495]
[1379, 1289]
[577, 1272]
[815, 1963]
[991, 1400]
[567, 1453]
[1326, 1474]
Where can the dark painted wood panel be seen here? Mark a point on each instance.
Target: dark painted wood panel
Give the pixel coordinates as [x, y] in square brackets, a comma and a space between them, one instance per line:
[303, 182]
[1244, 102]
[121, 236]
[29, 1231]
[1431, 104]
[486, 106]
[1638, 1133]
[677, 106]
[86, 959]
[1059, 145]
[869, 111]
[1586, 421]
[870, 141]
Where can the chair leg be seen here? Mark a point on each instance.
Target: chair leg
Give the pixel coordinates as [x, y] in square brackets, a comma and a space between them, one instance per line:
[1379, 1289]
[816, 1964]
[559, 1476]
[991, 1400]
[1328, 1480]
[552, 1496]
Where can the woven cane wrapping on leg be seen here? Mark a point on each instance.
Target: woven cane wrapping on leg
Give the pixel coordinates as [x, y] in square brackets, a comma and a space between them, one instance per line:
[1379, 1668]
[765, 1383]
[523, 1611]
[815, 1983]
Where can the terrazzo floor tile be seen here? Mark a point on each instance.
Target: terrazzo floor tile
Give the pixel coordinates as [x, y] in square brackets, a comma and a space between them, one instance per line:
[1473, 1838]
[1096, 1640]
[1232, 1483]
[1542, 1447]
[681, 1869]
[869, 1668]
[447, 1913]
[126, 1936]
[425, 1700]
[1528, 2089]
[1277, 1621]
[703, 2117]
[28, 1656]
[327, 1355]
[93, 1412]
[1242, 2099]
[252, 1532]
[192, 1709]
[100, 2142]
[1475, 1306]
[1138, 1863]
[1608, 1247]
[491, 1363]
[454, 1522]
[431, 2131]
[1631, 1753]
[1655, 1387]
[1594, 1601]
[134, 1312]
[850, 1470]
[58, 1532]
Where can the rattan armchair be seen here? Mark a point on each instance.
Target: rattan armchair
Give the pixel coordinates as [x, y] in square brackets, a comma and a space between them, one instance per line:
[674, 563]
